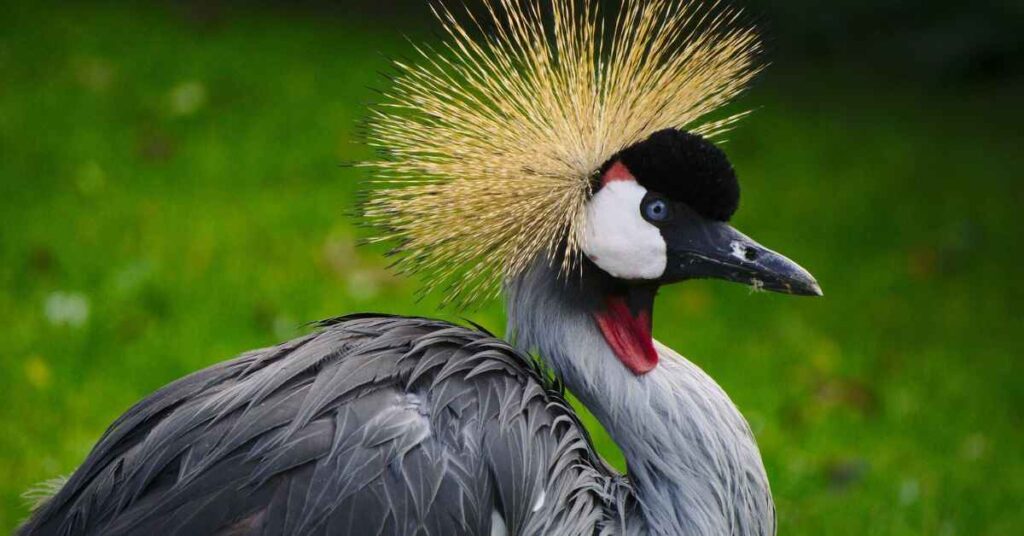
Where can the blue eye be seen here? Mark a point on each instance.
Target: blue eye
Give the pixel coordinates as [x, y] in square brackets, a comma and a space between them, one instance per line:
[655, 209]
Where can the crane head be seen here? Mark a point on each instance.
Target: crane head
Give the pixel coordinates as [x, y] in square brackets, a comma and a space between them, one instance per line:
[659, 215]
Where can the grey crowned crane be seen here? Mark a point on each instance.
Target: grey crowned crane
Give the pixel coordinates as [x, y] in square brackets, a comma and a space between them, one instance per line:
[560, 158]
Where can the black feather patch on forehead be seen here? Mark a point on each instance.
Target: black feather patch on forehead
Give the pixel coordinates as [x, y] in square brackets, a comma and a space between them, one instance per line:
[687, 168]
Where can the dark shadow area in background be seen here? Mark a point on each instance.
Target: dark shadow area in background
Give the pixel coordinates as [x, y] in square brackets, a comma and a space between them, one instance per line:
[944, 41]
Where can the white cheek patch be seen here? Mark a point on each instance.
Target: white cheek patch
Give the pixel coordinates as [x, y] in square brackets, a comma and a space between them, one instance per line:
[617, 238]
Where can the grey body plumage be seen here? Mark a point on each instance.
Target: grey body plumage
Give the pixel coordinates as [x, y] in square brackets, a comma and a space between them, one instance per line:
[373, 425]
[392, 425]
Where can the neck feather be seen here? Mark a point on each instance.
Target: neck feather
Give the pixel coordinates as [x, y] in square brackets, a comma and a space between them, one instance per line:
[692, 458]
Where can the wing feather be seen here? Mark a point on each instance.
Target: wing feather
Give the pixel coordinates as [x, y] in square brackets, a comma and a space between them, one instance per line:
[372, 425]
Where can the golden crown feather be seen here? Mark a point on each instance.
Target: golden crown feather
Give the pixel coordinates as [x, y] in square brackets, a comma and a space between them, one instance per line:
[490, 144]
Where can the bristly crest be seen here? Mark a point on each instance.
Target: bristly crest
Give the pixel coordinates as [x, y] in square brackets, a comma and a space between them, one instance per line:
[491, 143]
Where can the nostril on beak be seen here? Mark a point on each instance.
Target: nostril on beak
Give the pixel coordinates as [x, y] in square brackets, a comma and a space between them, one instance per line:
[744, 252]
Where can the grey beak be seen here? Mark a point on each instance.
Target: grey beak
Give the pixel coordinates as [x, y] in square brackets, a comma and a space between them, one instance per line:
[714, 249]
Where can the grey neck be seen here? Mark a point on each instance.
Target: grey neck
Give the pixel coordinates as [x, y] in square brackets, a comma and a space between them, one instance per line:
[692, 459]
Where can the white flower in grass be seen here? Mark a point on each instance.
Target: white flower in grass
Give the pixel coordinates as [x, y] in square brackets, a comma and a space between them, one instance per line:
[67, 309]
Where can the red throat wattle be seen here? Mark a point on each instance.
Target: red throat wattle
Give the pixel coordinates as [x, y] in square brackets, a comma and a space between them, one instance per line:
[628, 334]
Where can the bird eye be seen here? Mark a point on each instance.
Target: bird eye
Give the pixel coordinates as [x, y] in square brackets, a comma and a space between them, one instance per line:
[655, 209]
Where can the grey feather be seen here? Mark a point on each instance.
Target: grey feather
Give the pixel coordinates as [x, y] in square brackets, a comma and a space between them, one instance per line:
[382, 425]
[373, 425]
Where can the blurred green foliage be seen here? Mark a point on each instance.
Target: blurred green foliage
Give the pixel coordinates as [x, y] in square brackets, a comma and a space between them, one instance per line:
[171, 195]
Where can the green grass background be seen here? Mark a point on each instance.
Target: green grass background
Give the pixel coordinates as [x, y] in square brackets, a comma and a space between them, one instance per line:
[171, 195]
